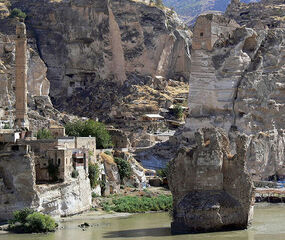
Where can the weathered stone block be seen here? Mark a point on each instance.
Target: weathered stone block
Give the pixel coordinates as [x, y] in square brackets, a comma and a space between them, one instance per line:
[217, 195]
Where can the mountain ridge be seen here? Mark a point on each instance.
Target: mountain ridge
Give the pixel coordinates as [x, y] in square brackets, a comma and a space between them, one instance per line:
[188, 10]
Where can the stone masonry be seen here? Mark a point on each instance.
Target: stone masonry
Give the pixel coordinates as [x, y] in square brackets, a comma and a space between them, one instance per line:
[212, 190]
[21, 77]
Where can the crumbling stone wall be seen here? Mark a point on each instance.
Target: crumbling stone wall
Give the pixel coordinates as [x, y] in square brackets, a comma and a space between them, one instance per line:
[212, 189]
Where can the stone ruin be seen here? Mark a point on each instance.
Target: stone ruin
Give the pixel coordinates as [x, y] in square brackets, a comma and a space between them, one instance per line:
[212, 190]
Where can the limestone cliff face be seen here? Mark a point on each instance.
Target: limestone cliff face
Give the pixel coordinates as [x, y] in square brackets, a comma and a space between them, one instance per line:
[240, 73]
[38, 84]
[86, 42]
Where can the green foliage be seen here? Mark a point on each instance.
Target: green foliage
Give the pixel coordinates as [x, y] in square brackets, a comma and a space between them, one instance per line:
[29, 221]
[21, 215]
[124, 167]
[108, 153]
[53, 171]
[94, 195]
[7, 126]
[178, 111]
[16, 12]
[134, 204]
[44, 134]
[90, 128]
[74, 173]
[94, 174]
[163, 172]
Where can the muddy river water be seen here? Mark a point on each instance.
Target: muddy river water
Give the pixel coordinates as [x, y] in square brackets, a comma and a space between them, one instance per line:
[268, 224]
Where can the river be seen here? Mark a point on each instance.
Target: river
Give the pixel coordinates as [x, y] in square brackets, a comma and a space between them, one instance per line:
[268, 224]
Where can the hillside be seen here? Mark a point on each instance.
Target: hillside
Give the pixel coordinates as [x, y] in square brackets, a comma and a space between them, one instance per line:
[190, 9]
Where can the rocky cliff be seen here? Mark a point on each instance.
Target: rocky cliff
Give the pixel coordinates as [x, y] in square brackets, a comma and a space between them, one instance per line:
[88, 43]
[240, 73]
[41, 109]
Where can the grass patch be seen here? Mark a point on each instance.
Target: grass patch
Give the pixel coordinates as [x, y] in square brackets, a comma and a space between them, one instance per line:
[135, 204]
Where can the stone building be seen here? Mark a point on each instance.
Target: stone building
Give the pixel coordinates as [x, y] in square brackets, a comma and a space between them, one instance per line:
[62, 154]
[209, 28]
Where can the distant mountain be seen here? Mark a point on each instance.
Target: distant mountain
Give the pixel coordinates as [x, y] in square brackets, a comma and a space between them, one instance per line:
[190, 9]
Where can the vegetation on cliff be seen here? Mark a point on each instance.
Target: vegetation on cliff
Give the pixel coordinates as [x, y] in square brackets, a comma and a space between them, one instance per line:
[124, 168]
[94, 174]
[30, 221]
[135, 204]
[90, 128]
[16, 12]
[44, 134]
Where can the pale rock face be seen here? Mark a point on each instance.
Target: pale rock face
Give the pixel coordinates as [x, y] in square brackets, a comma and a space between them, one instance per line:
[66, 199]
[38, 84]
[83, 42]
[237, 84]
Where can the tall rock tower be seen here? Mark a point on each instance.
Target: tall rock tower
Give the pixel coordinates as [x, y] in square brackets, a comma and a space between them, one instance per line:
[21, 121]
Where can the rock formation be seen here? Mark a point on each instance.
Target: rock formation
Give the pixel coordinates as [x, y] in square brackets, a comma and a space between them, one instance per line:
[212, 190]
[19, 190]
[83, 43]
[240, 73]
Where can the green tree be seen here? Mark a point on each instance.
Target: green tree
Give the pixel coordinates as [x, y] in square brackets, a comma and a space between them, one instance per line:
[94, 174]
[16, 12]
[124, 167]
[90, 128]
[44, 134]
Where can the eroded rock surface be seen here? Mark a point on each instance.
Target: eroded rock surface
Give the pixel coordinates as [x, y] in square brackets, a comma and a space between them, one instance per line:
[211, 188]
[240, 73]
[85, 42]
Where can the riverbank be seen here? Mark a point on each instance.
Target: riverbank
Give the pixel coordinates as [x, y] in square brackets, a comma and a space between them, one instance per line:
[271, 195]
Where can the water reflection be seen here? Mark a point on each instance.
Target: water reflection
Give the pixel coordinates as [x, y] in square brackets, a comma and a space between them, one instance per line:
[146, 232]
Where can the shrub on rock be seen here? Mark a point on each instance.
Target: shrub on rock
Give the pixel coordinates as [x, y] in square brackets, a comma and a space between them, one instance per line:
[30, 221]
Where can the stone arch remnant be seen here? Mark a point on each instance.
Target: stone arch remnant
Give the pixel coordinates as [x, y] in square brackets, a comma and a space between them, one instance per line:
[212, 190]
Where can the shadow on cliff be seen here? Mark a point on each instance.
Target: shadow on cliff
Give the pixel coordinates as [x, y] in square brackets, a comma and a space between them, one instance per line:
[137, 233]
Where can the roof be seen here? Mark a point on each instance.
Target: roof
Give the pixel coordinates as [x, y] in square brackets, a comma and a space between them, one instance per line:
[154, 116]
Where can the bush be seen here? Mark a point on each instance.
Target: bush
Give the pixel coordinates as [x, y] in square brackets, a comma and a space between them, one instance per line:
[134, 204]
[178, 111]
[163, 172]
[21, 215]
[29, 221]
[90, 128]
[16, 12]
[124, 168]
[74, 173]
[44, 134]
[94, 174]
